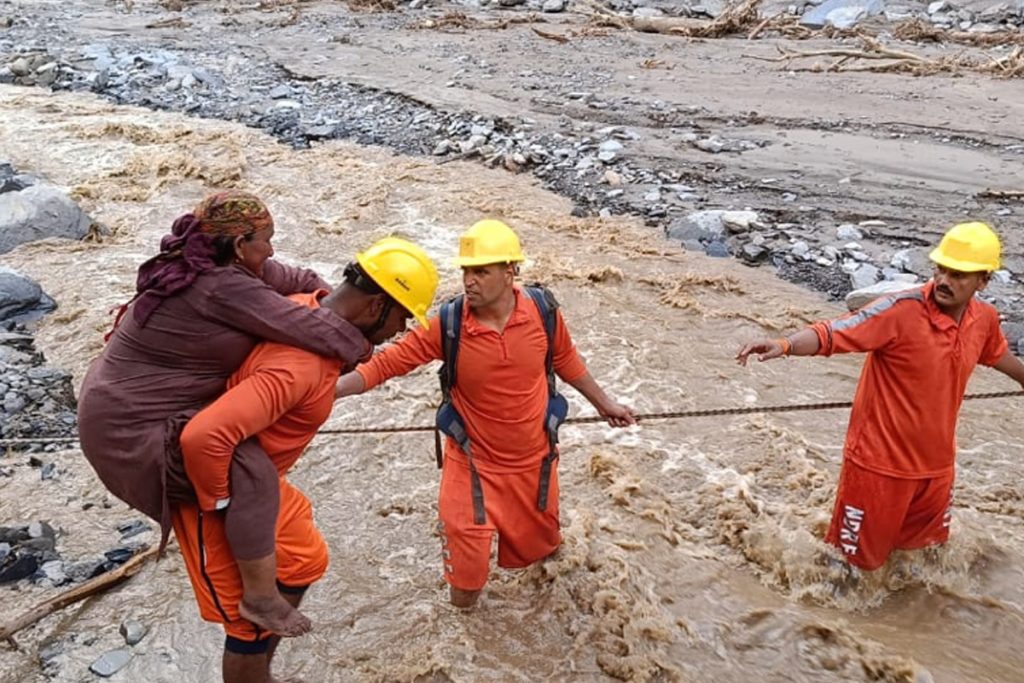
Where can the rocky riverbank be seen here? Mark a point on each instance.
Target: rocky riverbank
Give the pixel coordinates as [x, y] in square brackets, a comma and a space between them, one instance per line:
[597, 166]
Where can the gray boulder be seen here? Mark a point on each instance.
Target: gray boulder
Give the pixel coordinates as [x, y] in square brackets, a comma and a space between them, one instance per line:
[111, 662]
[21, 298]
[864, 276]
[38, 212]
[841, 13]
[711, 225]
[913, 260]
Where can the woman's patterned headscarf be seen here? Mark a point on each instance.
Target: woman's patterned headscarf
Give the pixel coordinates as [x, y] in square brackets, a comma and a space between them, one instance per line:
[189, 249]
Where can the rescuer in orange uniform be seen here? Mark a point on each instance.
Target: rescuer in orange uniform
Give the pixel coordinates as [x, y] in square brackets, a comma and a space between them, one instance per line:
[281, 395]
[501, 477]
[895, 486]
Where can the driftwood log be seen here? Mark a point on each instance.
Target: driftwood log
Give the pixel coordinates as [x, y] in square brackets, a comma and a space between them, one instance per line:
[76, 594]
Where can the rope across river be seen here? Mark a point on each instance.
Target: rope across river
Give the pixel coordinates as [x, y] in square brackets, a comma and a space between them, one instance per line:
[643, 417]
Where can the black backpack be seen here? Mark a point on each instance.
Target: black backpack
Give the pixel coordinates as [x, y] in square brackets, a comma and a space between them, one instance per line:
[451, 423]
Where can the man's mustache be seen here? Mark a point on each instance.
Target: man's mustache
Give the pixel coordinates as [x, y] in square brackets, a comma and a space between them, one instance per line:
[945, 290]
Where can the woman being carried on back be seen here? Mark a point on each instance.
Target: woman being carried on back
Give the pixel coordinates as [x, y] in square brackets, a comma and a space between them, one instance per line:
[210, 295]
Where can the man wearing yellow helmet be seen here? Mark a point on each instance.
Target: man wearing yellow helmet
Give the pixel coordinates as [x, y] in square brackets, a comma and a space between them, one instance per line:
[498, 471]
[895, 486]
[281, 395]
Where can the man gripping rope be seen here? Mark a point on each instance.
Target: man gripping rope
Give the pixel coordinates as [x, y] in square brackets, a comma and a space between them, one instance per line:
[895, 486]
[500, 412]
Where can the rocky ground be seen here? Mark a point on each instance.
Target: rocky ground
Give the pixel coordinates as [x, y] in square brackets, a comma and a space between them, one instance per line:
[590, 130]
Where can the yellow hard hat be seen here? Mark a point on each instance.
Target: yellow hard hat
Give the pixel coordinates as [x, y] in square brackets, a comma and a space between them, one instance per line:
[404, 271]
[489, 241]
[968, 248]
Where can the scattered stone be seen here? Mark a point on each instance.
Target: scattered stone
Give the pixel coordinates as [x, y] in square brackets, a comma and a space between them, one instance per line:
[739, 221]
[800, 249]
[18, 566]
[717, 249]
[39, 546]
[863, 276]
[914, 260]
[711, 225]
[841, 13]
[120, 555]
[111, 662]
[39, 212]
[1014, 333]
[553, 6]
[280, 92]
[21, 298]
[847, 232]
[52, 572]
[48, 654]
[20, 67]
[133, 631]
[41, 530]
[133, 528]
[754, 253]
[13, 535]
[859, 298]
[84, 570]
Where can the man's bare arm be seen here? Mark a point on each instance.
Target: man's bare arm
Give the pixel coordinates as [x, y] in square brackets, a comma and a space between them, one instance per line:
[1011, 366]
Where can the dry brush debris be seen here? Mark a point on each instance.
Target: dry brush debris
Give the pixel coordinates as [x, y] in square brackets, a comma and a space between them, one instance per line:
[876, 57]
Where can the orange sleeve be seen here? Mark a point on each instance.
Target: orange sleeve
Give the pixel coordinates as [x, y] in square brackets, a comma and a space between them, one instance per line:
[568, 364]
[871, 328]
[417, 348]
[256, 402]
[996, 345]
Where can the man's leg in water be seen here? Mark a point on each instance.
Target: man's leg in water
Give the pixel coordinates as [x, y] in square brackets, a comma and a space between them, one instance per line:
[302, 560]
[465, 545]
[255, 667]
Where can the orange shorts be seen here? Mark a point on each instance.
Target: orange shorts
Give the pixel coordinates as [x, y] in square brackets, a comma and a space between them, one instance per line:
[525, 534]
[876, 514]
[301, 559]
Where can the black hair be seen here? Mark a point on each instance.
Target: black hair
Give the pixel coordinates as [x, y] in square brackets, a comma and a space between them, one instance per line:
[224, 248]
[357, 277]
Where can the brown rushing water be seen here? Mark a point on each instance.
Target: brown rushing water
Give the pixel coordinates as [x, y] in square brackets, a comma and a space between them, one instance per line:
[692, 548]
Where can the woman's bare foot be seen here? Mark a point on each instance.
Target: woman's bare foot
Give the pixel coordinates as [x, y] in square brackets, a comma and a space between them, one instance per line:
[275, 614]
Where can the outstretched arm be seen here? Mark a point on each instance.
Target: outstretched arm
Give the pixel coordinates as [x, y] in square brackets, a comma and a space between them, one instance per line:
[1011, 366]
[803, 343]
[349, 384]
[617, 414]
[417, 348]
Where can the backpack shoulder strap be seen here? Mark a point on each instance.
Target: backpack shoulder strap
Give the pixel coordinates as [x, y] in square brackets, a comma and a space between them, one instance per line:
[547, 305]
[450, 319]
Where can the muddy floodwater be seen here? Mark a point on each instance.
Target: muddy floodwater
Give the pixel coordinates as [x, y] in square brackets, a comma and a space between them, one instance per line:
[692, 548]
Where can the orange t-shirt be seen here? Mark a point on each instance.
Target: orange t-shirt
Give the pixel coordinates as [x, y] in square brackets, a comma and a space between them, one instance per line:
[281, 394]
[501, 387]
[903, 422]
